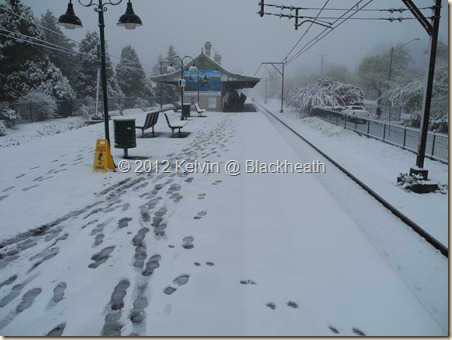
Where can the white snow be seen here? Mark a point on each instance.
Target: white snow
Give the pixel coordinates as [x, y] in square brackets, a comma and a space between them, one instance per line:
[252, 254]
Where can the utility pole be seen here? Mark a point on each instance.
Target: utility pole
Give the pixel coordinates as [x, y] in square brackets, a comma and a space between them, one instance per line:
[321, 65]
[281, 72]
[432, 29]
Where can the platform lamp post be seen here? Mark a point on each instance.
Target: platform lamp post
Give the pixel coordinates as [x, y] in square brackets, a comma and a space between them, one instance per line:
[129, 20]
[392, 55]
[181, 82]
[391, 59]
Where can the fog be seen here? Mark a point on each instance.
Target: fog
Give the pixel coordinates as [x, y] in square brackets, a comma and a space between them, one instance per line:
[244, 39]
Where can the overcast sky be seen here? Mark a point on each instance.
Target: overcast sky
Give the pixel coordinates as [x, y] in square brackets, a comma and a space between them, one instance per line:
[243, 38]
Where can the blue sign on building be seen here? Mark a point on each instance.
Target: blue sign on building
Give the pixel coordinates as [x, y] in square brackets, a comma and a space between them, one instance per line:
[203, 80]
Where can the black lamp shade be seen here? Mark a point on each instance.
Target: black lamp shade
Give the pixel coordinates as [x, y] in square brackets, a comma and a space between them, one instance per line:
[69, 20]
[129, 20]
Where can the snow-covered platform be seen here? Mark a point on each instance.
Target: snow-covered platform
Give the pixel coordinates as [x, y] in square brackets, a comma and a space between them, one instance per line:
[176, 245]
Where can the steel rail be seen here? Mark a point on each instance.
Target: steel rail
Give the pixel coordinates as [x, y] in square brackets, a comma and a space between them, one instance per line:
[429, 238]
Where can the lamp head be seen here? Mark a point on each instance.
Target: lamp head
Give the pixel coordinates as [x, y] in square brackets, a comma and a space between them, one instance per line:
[69, 20]
[129, 20]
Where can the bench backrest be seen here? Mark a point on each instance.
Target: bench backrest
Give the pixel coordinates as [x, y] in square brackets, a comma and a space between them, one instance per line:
[148, 119]
[154, 118]
[167, 120]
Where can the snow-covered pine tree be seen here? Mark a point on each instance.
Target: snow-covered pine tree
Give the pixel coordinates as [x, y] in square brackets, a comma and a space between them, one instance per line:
[113, 88]
[87, 66]
[65, 58]
[24, 67]
[130, 74]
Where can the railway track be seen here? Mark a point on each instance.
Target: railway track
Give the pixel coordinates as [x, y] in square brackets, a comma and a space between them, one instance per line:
[419, 230]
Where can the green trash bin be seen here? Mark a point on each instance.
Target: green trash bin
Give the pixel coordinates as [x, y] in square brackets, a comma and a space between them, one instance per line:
[125, 135]
[185, 111]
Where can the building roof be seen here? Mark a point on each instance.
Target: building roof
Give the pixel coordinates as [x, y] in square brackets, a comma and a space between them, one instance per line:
[204, 62]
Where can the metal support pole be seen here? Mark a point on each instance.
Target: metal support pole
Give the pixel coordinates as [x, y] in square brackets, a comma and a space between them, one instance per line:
[429, 86]
[104, 70]
[282, 89]
[182, 90]
[97, 92]
[282, 82]
[390, 63]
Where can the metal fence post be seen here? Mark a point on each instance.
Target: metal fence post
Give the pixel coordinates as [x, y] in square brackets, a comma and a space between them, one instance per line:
[404, 137]
[368, 127]
[433, 144]
[384, 130]
[31, 112]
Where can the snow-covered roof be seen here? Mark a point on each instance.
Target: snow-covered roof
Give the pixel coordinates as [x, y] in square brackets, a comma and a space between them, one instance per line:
[203, 62]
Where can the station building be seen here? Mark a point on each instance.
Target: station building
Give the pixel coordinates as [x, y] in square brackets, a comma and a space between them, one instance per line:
[211, 85]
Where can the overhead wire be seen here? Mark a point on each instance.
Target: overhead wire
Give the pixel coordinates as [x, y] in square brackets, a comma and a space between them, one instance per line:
[42, 43]
[317, 18]
[327, 31]
[320, 19]
[391, 10]
[39, 25]
[306, 32]
[59, 34]
[25, 37]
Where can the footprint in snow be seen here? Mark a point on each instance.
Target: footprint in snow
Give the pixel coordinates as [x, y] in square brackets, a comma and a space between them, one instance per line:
[271, 305]
[200, 215]
[187, 242]
[246, 282]
[292, 304]
[180, 281]
[58, 330]
[101, 257]
[333, 329]
[358, 331]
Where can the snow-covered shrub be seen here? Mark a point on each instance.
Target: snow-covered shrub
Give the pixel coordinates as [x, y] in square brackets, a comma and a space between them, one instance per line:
[8, 116]
[43, 106]
[2, 128]
[440, 124]
[141, 103]
[325, 92]
[87, 108]
[415, 120]
[118, 105]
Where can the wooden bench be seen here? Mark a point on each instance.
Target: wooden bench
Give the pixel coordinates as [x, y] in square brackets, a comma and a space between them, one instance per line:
[151, 120]
[198, 109]
[173, 127]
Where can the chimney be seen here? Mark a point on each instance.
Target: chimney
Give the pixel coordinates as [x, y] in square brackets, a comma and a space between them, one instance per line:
[217, 58]
[207, 47]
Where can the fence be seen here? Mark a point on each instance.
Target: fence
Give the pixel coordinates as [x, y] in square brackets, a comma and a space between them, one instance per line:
[78, 107]
[388, 113]
[437, 147]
